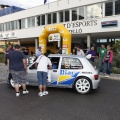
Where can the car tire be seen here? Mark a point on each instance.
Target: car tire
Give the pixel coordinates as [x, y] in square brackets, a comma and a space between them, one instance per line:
[12, 83]
[83, 85]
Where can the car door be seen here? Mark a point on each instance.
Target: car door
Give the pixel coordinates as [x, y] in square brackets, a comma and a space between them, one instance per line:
[55, 72]
[70, 69]
[32, 74]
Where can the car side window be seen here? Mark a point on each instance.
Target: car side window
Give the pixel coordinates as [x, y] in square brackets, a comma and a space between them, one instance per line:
[71, 63]
[55, 62]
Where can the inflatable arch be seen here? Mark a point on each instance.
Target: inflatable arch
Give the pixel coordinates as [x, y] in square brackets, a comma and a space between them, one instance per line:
[57, 28]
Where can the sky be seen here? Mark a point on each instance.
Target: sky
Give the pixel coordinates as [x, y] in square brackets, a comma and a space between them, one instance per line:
[24, 3]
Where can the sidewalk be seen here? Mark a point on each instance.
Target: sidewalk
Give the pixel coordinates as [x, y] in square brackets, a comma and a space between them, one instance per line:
[3, 70]
[112, 76]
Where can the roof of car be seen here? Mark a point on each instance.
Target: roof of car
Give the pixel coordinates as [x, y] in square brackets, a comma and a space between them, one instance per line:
[65, 55]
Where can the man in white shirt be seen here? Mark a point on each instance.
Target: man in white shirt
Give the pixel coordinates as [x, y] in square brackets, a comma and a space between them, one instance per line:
[38, 52]
[42, 71]
[80, 52]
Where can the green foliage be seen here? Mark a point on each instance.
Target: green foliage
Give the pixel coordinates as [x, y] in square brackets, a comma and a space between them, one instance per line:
[115, 70]
[116, 47]
[4, 47]
[2, 57]
[116, 60]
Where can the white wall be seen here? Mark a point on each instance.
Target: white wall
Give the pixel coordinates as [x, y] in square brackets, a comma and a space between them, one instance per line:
[36, 31]
[62, 4]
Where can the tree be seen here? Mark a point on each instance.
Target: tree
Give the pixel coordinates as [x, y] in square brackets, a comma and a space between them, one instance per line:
[116, 47]
[4, 47]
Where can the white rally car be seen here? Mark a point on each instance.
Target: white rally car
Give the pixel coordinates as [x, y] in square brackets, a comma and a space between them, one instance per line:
[68, 71]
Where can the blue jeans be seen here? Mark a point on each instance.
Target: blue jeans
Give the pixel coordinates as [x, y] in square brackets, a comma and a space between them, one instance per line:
[42, 77]
[107, 68]
[100, 64]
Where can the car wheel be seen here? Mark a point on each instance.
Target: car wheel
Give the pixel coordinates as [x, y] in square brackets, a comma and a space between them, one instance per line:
[12, 83]
[83, 85]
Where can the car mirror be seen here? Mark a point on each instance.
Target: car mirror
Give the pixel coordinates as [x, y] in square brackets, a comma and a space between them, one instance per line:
[88, 56]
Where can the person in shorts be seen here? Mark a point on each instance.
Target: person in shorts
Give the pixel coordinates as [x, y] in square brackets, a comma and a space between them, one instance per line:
[42, 70]
[17, 66]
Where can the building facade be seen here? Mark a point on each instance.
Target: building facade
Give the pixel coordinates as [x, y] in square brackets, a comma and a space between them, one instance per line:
[91, 23]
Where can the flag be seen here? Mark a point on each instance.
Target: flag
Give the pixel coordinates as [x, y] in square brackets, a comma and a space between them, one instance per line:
[45, 1]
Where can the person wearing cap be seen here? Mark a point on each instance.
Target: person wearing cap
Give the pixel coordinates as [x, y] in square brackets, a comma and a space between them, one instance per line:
[17, 66]
[38, 52]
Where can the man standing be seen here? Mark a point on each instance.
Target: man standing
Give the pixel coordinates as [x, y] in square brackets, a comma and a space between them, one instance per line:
[17, 66]
[102, 53]
[93, 55]
[80, 52]
[38, 52]
[43, 61]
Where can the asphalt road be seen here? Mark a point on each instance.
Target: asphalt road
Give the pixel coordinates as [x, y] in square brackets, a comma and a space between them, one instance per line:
[62, 104]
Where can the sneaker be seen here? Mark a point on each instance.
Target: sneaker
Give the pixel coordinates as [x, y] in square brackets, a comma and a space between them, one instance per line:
[40, 94]
[25, 92]
[107, 76]
[17, 94]
[45, 93]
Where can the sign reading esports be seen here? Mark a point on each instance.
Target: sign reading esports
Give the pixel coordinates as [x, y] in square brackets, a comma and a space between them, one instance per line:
[109, 23]
[76, 27]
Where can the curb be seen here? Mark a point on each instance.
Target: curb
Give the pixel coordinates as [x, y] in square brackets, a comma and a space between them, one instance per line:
[111, 77]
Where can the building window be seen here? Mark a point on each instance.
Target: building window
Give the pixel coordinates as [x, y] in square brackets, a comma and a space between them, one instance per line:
[22, 23]
[54, 18]
[15, 24]
[94, 11]
[67, 15]
[7, 26]
[43, 19]
[74, 14]
[49, 19]
[12, 25]
[2, 27]
[108, 8]
[38, 20]
[19, 24]
[81, 13]
[61, 16]
[33, 21]
[28, 22]
[117, 7]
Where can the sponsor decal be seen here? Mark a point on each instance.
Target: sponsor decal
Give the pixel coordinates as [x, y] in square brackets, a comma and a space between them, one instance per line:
[87, 72]
[67, 72]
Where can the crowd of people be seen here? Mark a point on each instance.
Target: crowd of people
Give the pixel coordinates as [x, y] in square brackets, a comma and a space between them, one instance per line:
[105, 57]
[17, 64]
